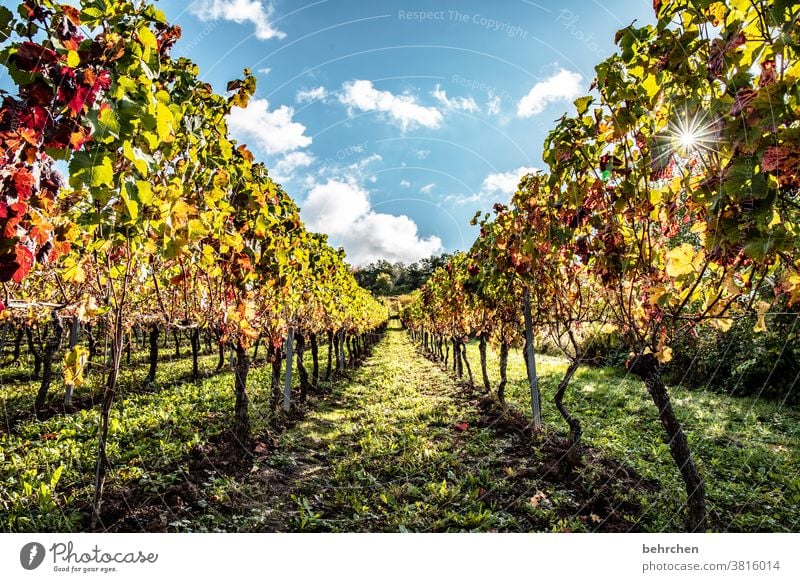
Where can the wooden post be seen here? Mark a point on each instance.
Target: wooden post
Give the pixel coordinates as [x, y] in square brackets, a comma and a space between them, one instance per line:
[530, 356]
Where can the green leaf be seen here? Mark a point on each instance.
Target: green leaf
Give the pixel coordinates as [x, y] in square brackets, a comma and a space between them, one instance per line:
[106, 125]
[6, 22]
[582, 104]
[91, 170]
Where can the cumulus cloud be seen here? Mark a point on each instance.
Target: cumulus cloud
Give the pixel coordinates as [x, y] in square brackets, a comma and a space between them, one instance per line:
[459, 103]
[564, 85]
[496, 187]
[404, 110]
[405, 183]
[505, 182]
[427, 188]
[285, 167]
[239, 11]
[274, 132]
[335, 206]
[342, 209]
[308, 95]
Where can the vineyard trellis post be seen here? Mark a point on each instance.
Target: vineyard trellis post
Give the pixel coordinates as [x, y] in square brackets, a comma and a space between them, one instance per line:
[530, 357]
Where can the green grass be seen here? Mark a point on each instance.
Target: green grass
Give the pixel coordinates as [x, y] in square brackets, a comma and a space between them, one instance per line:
[382, 453]
[747, 449]
[47, 467]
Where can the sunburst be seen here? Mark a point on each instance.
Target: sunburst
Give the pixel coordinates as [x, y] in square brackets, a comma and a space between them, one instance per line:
[692, 134]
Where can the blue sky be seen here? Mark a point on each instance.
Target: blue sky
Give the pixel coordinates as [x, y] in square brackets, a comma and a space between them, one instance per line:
[392, 122]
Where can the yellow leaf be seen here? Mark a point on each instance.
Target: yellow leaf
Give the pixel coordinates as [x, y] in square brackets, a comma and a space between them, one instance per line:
[679, 260]
[665, 355]
[761, 310]
[164, 122]
[655, 294]
[74, 365]
[73, 59]
[608, 328]
[722, 325]
[144, 192]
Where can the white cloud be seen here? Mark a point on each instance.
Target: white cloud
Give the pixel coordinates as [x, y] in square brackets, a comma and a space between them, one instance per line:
[405, 184]
[308, 95]
[341, 208]
[274, 132]
[427, 188]
[422, 154]
[564, 85]
[284, 168]
[505, 182]
[493, 105]
[333, 207]
[462, 103]
[392, 238]
[265, 70]
[496, 187]
[403, 109]
[239, 11]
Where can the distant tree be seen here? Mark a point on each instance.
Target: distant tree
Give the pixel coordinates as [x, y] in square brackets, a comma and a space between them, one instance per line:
[383, 284]
[383, 278]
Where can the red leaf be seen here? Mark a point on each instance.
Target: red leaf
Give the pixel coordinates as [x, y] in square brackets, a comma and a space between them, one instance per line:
[37, 93]
[35, 118]
[31, 56]
[81, 95]
[23, 184]
[24, 263]
[18, 208]
[461, 426]
[72, 13]
[103, 81]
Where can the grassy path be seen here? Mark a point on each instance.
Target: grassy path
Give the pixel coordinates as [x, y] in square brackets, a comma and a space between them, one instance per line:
[402, 447]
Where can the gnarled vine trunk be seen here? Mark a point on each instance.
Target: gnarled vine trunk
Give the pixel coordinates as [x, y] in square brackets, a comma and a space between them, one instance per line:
[575, 431]
[152, 354]
[194, 338]
[501, 388]
[466, 362]
[330, 356]
[50, 349]
[487, 385]
[648, 368]
[275, 358]
[241, 418]
[34, 351]
[314, 360]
